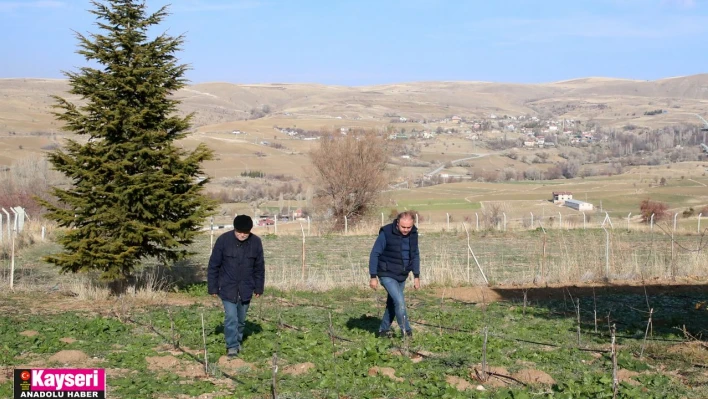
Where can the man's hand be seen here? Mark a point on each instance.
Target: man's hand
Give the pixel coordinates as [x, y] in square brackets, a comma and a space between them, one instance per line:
[215, 295]
[416, 283]
[373, 283]
[257, 295]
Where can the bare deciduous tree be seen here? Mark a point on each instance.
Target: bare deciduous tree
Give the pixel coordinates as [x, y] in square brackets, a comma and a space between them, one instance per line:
[350, 173]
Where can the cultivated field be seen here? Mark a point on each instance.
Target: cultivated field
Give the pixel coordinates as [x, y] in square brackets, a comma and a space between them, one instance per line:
[547, 312]
[500, 343]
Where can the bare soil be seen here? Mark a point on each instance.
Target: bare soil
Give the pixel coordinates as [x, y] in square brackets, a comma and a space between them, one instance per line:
[387, 371]
[70, 357]
[299, 369]
[534, 377]
[460, 383]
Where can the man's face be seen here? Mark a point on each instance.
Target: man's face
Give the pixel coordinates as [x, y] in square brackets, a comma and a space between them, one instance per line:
[242, 236]
[405, 226]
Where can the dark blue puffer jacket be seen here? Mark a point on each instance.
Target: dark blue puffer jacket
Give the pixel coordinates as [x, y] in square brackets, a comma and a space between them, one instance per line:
[391, 258]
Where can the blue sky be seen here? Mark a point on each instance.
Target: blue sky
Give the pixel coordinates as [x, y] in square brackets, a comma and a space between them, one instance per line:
[362, 42]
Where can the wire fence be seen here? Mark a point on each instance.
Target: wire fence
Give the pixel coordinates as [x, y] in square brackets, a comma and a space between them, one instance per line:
[462, 255]
[458, 255]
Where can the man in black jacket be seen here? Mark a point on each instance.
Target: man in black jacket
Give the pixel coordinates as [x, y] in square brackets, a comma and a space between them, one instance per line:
[236, 273]
[394, 256]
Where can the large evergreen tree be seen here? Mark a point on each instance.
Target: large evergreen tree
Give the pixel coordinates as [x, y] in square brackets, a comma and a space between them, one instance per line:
[135, 193]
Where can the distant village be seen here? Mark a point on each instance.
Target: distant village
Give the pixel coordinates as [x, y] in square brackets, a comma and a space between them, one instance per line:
[536, 132]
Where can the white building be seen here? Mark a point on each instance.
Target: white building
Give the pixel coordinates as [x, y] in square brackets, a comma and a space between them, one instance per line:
[578, 205]
[560, 196]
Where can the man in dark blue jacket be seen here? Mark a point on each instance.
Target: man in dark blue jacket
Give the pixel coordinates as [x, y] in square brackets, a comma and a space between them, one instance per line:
[236, 273]
[394, 256]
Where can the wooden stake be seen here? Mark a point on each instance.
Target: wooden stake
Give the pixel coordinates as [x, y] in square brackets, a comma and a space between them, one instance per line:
[594, 308]
[577, 312]
[651, 312]
[206, 358]
[484, 356]
[613, 351]
[274, 379]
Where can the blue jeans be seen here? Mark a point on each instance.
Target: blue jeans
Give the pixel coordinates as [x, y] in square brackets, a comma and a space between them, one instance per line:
[234, 322]
[395, 305]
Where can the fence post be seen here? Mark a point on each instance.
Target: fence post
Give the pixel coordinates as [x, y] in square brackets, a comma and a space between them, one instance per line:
[651, 222]
[346, 225]
[12, 265]
[630, 214]
[44, 229]
[607, 253]
[675, 214]
[584, 220]
[308, 225]
[211, 233]
[275, 224]
[303, 251]
[531, 220]
[416, 218]
[476, 215]
[0, 227]
[560, 221]
[468, 252]
[543, 259]
[14, 225]
[469, 248]
[504, 214]
[448, 221]
[699, 222]
[382, 219]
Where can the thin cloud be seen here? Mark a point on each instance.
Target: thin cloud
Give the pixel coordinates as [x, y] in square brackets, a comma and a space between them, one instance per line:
[680, 3]
[215, 5]
[16, 5]
[594, 27]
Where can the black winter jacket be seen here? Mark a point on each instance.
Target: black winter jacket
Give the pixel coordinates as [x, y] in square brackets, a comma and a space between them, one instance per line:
[236, 268]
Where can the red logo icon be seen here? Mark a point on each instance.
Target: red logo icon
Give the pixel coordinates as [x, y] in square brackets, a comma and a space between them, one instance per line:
[25, 375]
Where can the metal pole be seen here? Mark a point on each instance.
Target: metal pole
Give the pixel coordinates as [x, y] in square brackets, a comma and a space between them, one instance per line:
[531, 220]
[476, 215]
[303, 252]
[651, 222]
[448, 221]
[699, 222]
[211, 233]
[607, 253]
[504, 214]
[382, 219]
[346, 225]
[12, 266]
[675, 215]
[275, 223]
[584, 220]
[14, 224]
[630, 214]
[468, 252]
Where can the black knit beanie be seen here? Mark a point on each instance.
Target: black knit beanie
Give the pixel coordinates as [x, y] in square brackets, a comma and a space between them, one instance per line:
[243, 223]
